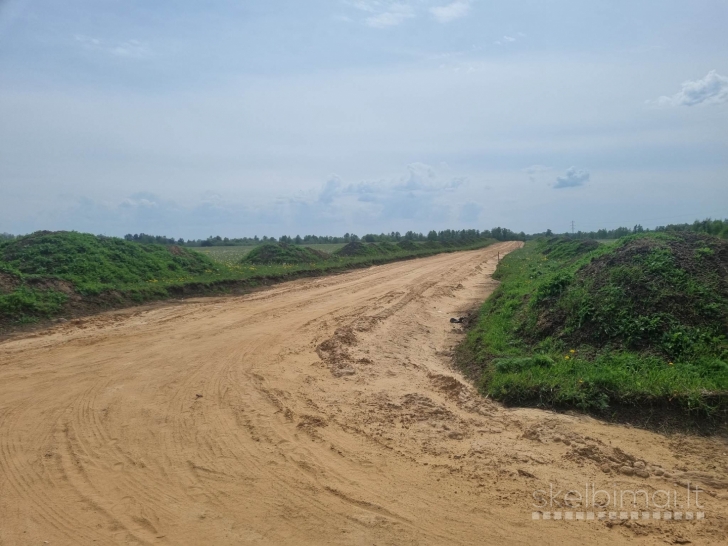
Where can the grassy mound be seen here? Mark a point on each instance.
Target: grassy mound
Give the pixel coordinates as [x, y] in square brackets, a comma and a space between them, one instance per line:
[356, 248]
[283, 253]
[639, 323]
[388, 248]
[91, 262]
[408, 245]
[39, 272]
[662, 294]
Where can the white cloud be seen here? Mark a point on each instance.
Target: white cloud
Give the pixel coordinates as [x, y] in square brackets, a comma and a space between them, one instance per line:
[396, 15]
[331, 189]
[572, 178]
[450, 12]
[712, 89]
[133, 49]
[418, 194]
[509, 39]
[535, 170]
[455, 183]
[420, 177]
[384, 13]
[87, 40]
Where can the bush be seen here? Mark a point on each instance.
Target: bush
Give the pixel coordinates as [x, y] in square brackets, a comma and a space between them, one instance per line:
[24, 303]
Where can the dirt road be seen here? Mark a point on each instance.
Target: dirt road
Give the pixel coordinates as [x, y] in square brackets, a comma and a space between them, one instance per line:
[320, 411]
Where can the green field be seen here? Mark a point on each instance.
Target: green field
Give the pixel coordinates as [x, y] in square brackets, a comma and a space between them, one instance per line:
[233, 254]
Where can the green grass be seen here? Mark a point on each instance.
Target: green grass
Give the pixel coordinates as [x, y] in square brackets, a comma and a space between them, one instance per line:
[48, 274]
[224, 254]
[230, 255]
[638, 323]
[41, 272]
[95, 263]
[284, 253]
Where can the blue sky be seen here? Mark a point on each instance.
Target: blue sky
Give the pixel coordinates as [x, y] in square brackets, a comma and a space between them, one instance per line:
[249, 117]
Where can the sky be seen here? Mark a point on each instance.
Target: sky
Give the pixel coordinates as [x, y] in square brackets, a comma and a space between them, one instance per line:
[270, 117]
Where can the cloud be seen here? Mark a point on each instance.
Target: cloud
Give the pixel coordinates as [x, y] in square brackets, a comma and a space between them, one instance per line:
[572, 178]
[509, 39]
[455, 183]
[712, 89]
[384, 14]
[535, 170]
[132, 49]
[450, 12]
[417, 195]
[390, 18]
[361, 188]
[331, 189]
[419, 178]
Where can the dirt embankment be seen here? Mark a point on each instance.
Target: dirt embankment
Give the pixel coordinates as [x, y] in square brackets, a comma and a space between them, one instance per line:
[321, 411]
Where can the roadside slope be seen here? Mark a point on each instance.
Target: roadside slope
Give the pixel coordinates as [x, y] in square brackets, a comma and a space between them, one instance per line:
[638, 326]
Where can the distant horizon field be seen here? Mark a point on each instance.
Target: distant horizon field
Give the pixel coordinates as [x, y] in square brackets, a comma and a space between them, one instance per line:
[233, 254]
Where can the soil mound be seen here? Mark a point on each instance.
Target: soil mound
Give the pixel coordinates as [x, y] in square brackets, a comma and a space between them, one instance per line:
[283, 253]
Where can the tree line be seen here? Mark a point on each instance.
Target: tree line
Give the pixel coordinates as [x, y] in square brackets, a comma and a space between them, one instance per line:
[719, 228]
[498, 233]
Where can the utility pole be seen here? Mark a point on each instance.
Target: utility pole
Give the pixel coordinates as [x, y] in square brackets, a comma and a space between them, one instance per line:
[572, 227]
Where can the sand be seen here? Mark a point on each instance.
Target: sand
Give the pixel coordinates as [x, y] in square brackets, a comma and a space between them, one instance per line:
[319, 411]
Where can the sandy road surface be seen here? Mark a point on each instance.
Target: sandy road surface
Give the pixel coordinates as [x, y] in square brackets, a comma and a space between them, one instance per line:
[318, 412]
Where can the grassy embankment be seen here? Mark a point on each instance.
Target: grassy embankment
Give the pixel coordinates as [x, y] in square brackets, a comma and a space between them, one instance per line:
[49, 274]
[233, 254]
[631, 326]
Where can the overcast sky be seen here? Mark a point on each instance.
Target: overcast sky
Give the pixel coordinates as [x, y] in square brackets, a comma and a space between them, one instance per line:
[245, 117]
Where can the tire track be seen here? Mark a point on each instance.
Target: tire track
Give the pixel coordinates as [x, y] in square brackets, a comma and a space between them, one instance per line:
[214, 421]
